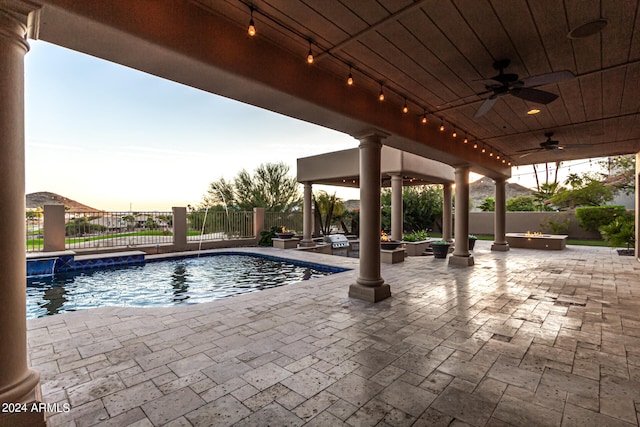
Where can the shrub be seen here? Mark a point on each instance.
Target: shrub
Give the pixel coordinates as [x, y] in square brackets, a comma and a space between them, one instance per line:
[521, 204]
[561, 226]
[266, 236]
[488, 205]
[591, 218]
[620, 232]
[416, 236]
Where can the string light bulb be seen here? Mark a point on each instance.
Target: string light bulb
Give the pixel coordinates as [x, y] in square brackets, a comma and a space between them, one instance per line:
[310, 54]
[405, 109]
[251, 30]
[424, 118]
[441, 126]
[381, 94]
[350, 78]
[484, 150]
[466, 140]
[454, 133]
[475, 145]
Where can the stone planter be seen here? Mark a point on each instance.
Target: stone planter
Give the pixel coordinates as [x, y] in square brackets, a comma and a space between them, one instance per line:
[440, 251]
[416, 248]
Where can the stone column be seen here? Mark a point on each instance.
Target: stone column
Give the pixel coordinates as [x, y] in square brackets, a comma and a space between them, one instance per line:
[369, 285]
[18, 383]
[258, 222]
[179, 228]
[446, 212]
[396, 207]
[54, 238]
[461, 255]
[307, 217]
[500, 218]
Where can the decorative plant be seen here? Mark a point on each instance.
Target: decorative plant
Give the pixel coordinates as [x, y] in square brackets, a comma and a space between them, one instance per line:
[439, 242]
[472, 237]
[621, 231]
[266, 236]
[416, 236]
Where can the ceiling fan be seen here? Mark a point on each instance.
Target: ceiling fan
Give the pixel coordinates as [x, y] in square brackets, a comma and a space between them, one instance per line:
[549, 145]
[511, 84]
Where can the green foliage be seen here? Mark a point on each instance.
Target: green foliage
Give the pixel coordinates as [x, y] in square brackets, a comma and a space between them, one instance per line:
[81, 226]
[593, 217]
[269, 187]
[488, 205]
[521, 204]
[622, 173]
[439, 242]
[416, 236]
[542, 197]
[266, 236]
[421, 206]
[556, 227]
[586, 190]
[328, 209]
[620, 232]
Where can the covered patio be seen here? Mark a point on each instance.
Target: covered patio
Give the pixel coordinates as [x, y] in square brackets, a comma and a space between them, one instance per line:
[525, 338]
[448, 81]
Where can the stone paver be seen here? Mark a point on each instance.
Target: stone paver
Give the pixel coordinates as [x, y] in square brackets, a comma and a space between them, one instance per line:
[522, 338]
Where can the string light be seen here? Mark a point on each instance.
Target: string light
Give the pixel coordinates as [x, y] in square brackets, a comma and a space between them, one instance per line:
[424, 117]
[441, 126]
[475, 145]
[466, 140]
[310, 54]
[251, 30]
[405, 109]
[454, 133]
[350, 78]
[381, 94]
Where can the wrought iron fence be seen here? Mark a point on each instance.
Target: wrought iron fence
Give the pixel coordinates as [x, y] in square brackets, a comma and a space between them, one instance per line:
[219, 225]
[35, 230]
[291, 221]
[84, 230]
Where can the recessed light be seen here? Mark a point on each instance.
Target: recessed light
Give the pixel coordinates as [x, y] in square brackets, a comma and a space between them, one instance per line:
[533, 111]
[589, 29]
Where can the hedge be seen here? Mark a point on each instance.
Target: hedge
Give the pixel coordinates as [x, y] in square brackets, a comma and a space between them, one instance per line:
[591, 218]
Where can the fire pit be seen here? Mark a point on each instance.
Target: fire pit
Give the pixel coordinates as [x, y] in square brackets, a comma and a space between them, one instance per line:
[387, 244]
[537, 240]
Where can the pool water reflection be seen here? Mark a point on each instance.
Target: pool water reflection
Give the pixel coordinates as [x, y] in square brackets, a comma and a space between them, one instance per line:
[163, 283]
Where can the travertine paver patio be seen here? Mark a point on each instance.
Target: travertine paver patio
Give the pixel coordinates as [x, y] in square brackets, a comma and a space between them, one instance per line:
[522, 338]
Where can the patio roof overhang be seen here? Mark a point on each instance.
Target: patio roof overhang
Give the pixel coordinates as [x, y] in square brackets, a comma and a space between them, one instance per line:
[342, 168]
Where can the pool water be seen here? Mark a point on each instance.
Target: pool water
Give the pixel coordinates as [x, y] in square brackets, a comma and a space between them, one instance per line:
[163, 283]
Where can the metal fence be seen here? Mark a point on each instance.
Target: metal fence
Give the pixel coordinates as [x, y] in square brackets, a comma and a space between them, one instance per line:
[35, 231]
[291, 221]
[219, 225]
[85, 230]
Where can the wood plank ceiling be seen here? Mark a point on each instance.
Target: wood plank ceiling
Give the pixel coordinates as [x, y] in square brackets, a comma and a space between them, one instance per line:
[437, 53]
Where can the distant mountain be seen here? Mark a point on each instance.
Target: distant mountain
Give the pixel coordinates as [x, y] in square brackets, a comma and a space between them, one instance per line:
[485, 187]
[41, 198]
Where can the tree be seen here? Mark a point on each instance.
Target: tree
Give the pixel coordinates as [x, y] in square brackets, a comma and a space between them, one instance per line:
[521, 204]
[421, 206]
[329, 208]
[488, 205]
[586, 190]
[269, 187]
[622, 173]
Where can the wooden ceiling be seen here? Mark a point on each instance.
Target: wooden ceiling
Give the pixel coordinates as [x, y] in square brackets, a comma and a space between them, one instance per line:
[436, 53]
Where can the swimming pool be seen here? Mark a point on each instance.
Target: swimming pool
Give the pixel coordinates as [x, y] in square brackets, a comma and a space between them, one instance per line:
[167, 282]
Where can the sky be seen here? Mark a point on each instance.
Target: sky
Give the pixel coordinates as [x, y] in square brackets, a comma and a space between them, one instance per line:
[118, 139]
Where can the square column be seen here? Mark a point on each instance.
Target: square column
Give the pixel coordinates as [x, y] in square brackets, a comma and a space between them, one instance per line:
[397, 219]
[461, 255]
[307, 218]
[638, 206]
[18, 383]
[500, 217]
[369, 285]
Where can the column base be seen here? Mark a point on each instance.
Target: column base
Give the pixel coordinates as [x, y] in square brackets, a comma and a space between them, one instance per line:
[27, 391]
[500, 247]
[465, 261]
[368, 293]
[307, 243]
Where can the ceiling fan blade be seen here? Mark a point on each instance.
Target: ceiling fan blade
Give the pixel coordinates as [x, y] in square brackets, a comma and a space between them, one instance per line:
[549, 78]
[530, 150]
[486, 106]
[534, 95]
[526, 154]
